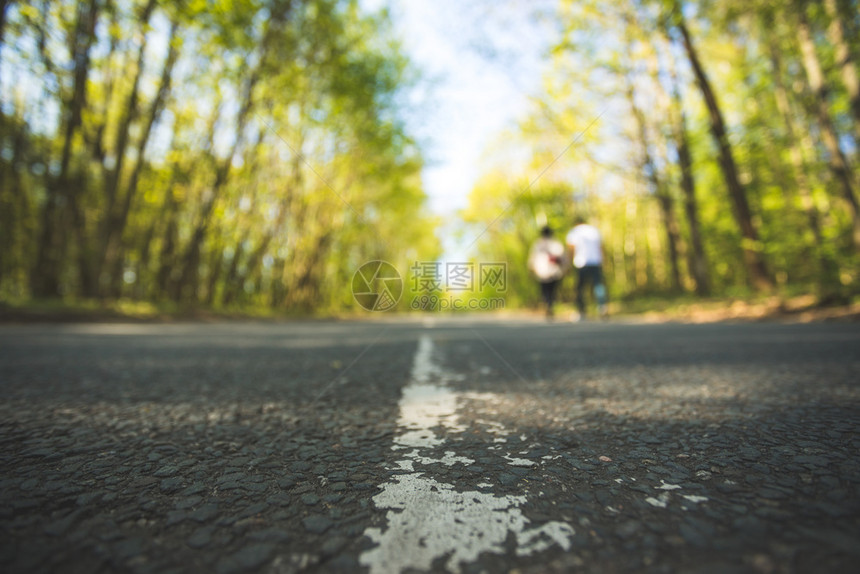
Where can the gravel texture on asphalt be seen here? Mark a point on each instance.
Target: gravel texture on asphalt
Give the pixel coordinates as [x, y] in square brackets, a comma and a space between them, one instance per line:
[243, 447]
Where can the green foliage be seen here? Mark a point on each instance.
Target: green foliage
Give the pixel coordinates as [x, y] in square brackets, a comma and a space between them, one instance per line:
[524, 210]
[619, 56]
[255, 158]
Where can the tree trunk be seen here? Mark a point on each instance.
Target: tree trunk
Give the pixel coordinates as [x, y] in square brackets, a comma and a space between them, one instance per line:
[256, 258]
[667, 211]
[4, 6]
[129, 115]
[142, 266]
[847, 68]
[61, 199]
[42, 38]
[278, 292]
[222, 171]
[697, 261]
[750, 243]
[307, 288]
[88, 287]
[232, 280]
[164, 279]
[96, 140]
[13, 201]
[162, 287]
[114, 249]
[673, 236]
[828, 267]
[838, 162]
[216, 266]
[113, 175]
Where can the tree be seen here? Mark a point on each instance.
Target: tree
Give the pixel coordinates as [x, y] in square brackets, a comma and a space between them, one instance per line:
[224, 153]
[664, 198]
[838, 161]
[751, 246]
[63, 195]
[845, 60]
[697, 263]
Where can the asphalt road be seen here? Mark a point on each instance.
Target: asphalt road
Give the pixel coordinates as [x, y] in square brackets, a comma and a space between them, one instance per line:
[430, 445]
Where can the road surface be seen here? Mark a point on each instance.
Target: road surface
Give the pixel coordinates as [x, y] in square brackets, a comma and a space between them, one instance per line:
[430, 444]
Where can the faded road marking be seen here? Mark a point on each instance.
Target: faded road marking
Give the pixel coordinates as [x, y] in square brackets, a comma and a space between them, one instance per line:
[429, 520]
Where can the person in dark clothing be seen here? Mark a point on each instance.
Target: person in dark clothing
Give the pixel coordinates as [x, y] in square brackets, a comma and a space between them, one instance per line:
[547, 262]
[586, 246]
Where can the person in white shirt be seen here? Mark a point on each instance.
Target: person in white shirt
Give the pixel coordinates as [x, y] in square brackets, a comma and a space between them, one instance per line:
[548, 262]
[586, 246]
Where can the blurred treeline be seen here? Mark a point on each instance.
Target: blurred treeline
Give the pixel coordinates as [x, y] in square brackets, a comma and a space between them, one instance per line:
[214, 152]
[715, 143]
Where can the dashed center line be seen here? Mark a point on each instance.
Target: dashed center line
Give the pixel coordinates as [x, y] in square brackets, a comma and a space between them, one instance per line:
[428, 519]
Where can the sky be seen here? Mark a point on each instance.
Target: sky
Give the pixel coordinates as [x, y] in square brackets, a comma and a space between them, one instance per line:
[480, 62]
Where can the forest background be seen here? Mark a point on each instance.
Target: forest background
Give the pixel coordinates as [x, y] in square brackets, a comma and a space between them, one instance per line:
[250, 155]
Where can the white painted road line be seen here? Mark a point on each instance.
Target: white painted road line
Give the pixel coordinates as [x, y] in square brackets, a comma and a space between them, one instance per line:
[427, 519]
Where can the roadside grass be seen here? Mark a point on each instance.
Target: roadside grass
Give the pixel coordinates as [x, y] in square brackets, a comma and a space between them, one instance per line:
[63, 310]
[742, 306]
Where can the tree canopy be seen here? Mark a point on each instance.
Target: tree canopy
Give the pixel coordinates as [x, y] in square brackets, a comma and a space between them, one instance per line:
[219, 153]
[234, 153]
[714, 143]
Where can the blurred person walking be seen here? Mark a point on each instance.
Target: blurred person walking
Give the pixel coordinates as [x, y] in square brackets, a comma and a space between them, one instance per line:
[547, 262]
[586, 247]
